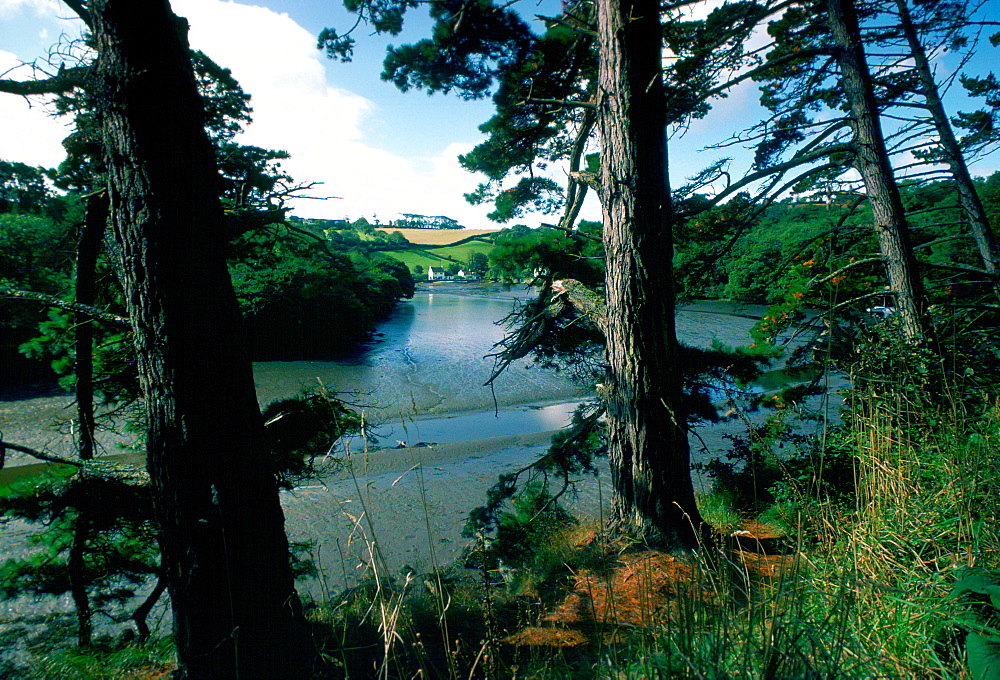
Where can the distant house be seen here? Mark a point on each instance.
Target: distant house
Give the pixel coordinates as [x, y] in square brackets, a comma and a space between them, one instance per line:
[436, 274]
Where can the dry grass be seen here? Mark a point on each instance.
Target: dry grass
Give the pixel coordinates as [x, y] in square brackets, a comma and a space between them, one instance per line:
[438, 237]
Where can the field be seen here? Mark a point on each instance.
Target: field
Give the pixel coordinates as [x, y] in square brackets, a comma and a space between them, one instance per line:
[432, 247]
[439, 257]
[438, 237]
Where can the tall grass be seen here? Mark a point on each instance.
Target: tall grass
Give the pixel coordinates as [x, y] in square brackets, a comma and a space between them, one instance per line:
[867, 594]
[859, 589]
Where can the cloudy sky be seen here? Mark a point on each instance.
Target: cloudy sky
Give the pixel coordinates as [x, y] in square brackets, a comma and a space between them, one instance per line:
[381, 152]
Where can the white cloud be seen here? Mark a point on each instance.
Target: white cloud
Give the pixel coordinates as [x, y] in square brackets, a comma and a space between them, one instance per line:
[28, 134]
[296, 109]
[321, 126]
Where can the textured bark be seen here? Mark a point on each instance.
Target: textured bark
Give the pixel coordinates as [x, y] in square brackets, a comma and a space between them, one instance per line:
[872, 161]
[646, 423]
[224, 550]
[968, 198]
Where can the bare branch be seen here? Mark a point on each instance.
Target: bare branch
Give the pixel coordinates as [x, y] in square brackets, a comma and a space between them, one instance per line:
[53, 301]
[241, 221]
[36, 454]
[65, 81]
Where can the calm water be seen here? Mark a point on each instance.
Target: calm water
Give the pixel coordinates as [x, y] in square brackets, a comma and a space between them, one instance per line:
[429, 358]
[420, 379]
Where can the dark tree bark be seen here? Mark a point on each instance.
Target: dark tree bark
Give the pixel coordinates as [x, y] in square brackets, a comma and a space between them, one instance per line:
[872, 161]
[647, 437]
[968, 198]
[78, 579]
[224, 550]
[87, 251]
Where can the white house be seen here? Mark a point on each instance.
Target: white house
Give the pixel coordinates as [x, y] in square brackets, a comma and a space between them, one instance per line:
[436, 274]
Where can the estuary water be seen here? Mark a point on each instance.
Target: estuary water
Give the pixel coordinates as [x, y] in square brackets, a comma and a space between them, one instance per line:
[421, 378]
[444, 436]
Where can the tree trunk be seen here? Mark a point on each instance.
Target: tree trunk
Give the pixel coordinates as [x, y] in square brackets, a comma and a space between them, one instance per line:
[224, 550]
[77, 570]
[968, 198]
[872, 161]
[87, 251]
[647, 436]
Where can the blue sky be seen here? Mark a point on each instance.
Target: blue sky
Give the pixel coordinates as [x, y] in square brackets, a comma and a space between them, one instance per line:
[381, 151]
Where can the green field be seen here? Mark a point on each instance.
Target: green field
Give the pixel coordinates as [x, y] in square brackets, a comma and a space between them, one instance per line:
[442, 256]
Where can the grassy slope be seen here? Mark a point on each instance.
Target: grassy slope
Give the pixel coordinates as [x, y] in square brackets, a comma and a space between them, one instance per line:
[439, 237]
[441, 247]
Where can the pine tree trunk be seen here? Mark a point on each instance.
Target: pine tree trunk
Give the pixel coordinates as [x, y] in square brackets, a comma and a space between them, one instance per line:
[968, 198]
[224, 550]
[872, 161]
[647, 436]
[77, 570]
[87, 251]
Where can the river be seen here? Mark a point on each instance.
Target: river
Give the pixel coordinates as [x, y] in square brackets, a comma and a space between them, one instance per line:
[422, 379]
[418, 380]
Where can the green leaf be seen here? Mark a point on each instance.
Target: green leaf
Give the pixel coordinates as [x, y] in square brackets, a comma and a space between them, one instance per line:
[978, 581]
[983, 653]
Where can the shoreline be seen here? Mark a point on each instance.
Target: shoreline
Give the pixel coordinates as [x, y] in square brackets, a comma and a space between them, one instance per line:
[358, 462]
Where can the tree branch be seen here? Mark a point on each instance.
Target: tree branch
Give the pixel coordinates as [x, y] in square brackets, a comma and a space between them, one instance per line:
[588, 178]
[241, 221]
[35, 454]
[79, 7]
[65, 81]
[576, 191]
[585, 301]
[533, 321]
[53, 301]
[567, 103]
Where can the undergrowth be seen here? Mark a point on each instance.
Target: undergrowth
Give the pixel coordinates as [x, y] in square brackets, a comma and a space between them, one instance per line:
[871, 552]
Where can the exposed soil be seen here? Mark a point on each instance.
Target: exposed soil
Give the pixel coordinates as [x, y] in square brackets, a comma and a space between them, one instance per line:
[641, 588]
